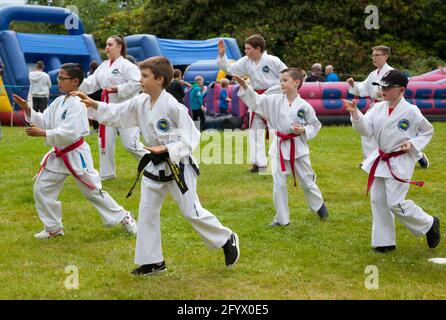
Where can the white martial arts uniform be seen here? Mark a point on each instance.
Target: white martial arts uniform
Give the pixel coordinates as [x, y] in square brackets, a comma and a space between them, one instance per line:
[282, 116]
[125, 75]
[65, 123]
[168, 123]
[366, 89]
[263, 75]
[388, 195]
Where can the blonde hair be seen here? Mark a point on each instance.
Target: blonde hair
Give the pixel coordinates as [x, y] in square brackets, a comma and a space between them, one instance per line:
[224, 82]
[198, 78]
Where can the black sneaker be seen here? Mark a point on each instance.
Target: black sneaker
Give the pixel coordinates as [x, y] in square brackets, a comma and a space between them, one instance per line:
[433, 236]
[384, 249]
[424, 162]
[323, 212]
[149, 269]
[231, 249]
[254, 169]
[277, 224]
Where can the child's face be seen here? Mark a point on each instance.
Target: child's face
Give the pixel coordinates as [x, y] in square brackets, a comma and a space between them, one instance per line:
[252, 53]
[199, 81]
[66, 83]
[288, 84]
[391, 94]
[112, 49]
[379, 58]
[149, 83]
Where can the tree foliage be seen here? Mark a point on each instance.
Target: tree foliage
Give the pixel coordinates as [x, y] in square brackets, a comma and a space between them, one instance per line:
[299, 32]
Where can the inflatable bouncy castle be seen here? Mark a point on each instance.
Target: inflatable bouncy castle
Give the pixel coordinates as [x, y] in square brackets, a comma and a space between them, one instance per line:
[326, 98]
[197, 56]
[20, 51]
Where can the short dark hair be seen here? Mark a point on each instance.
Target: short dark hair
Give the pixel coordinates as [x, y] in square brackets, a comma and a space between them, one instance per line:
[177, 73]
[120, 40]
[160, 67]
[295, 74]
[94, 65]
[74, 70]
[256, 41]
[383, 49]
[40, 64]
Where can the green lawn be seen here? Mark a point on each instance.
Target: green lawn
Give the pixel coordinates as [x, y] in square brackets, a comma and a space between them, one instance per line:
[309, 259]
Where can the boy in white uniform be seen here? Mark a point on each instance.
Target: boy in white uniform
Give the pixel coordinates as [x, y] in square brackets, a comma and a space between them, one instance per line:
[401, 132]
[295, 123]
[172, 136]
[365, 88]
[263, 71]
[119, 80]
[64, 124]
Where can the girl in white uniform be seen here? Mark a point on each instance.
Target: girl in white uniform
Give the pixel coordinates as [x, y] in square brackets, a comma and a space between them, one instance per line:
[171, 136]
[263, 71]
[119, 80]
[296, 123]
[64, 124]
[401, 132]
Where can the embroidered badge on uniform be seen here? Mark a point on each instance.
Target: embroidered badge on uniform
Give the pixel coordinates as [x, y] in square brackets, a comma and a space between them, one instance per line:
[115, 71]
[64, 114]
[163, 125]
[265, 69]
[301, 114]
[403, 125]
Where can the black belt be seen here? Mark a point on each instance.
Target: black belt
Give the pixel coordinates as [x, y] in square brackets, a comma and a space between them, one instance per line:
[177, 171]
[161, 178]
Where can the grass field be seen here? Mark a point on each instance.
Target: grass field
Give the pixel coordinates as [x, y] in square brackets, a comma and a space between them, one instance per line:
[310, 259]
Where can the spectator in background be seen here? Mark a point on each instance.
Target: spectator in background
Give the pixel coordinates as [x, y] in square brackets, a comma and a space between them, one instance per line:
[316, 70]
[330, 76]
[39, 89]
[177, 86]
[224, 100]
[196, 101]
[95, 95]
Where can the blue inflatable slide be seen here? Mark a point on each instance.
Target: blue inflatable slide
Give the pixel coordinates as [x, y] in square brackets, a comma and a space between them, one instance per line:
[20, 51]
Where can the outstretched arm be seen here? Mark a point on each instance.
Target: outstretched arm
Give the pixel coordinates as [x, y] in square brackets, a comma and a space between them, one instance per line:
[259, 103]
[89, 103]
[117, 115]
[360, 122]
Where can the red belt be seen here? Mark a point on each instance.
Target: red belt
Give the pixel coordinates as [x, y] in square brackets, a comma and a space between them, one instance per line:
[104, 98]
[62, 153]
[290, 137]
[386, 157]
[259, 91]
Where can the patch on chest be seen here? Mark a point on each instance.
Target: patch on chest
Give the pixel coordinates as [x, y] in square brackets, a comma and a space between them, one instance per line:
[115, 71]
[301, 114]
[265, 69]
[403, 125]
[163, 125]
[64, 114]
